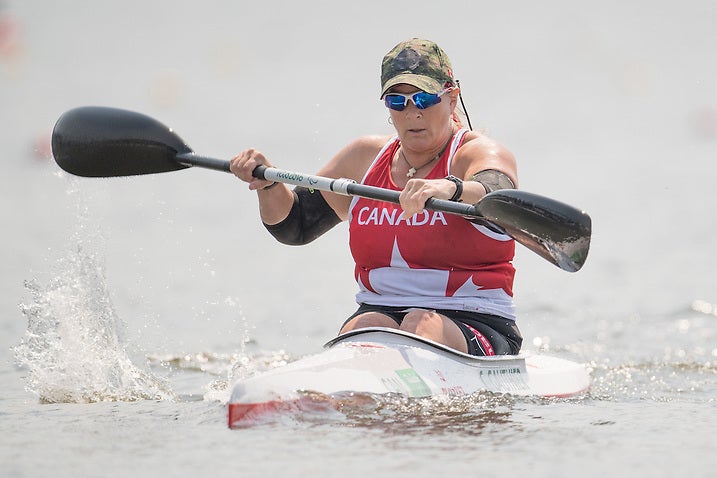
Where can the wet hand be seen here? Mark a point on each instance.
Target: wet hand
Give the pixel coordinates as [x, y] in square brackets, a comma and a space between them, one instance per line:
[244, 163]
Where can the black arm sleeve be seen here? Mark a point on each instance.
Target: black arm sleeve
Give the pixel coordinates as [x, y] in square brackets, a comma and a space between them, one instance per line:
[310, 217]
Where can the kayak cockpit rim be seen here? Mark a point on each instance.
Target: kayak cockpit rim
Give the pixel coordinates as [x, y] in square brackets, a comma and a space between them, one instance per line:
[387, 333]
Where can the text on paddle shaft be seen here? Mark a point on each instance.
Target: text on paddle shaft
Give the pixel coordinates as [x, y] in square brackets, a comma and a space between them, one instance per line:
[392, 217]
[289, 176]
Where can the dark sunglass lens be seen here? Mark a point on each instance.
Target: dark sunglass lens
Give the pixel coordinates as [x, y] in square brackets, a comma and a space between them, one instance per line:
[395, 102]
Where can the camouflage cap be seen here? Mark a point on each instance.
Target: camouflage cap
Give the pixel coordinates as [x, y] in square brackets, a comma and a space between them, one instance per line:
[419, 63]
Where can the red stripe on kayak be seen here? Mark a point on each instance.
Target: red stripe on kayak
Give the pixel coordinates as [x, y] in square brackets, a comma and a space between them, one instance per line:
[246, 412]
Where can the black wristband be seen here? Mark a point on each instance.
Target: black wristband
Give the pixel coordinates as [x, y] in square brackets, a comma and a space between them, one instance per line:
[459, 187]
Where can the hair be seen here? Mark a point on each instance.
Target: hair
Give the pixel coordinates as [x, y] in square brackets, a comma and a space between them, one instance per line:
[460, 114]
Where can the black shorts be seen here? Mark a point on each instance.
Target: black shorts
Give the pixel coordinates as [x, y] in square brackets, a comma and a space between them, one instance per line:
[502, 334]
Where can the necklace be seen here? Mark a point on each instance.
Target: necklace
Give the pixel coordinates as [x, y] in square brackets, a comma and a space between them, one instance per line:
[412, 170]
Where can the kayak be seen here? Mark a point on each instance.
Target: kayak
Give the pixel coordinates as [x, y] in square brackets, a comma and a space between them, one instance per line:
[381, 360]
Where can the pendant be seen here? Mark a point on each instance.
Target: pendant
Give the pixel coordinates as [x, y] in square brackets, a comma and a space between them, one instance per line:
[411, 172]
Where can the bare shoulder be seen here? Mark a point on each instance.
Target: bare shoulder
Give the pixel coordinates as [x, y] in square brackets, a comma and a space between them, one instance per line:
[353, 160]
[480, 152]
[478, 143]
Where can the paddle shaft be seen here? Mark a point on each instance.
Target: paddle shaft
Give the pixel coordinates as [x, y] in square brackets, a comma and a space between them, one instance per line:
[343, 186]
[97, 141]
[191, 159]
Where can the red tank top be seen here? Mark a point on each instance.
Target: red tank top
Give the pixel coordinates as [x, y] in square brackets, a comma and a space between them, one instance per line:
[431, 260]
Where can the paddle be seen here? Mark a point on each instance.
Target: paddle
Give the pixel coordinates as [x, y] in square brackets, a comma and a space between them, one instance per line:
[95, 141]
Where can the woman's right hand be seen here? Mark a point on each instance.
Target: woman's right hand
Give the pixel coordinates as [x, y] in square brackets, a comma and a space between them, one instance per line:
[243, 164]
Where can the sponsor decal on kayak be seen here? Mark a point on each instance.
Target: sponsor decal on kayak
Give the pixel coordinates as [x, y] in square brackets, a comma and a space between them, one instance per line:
[416, 386]
[393, 384]
[500, 371]
[454, 391]
[506, 379]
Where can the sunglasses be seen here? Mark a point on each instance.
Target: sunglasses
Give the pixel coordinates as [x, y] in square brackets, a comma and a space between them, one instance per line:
[422, 100]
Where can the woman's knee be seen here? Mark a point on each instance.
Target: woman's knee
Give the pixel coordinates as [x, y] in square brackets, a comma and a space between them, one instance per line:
[432, 325]
[417, 320]
[369, 319]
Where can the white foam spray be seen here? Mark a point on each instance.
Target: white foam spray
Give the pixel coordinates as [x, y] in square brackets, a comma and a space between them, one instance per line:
[74, 347]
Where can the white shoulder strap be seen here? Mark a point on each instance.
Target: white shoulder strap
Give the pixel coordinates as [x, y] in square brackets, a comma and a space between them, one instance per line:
[454, 146]
[380, 153]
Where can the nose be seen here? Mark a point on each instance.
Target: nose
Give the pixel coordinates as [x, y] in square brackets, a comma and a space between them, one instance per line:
[411, 110]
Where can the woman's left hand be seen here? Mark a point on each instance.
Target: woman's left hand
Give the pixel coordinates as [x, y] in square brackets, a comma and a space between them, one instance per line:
[417, 191]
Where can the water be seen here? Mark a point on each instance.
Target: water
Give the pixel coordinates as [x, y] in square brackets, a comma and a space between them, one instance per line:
[129, 305]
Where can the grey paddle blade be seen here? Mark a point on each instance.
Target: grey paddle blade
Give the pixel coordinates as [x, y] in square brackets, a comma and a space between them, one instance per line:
[556, 231]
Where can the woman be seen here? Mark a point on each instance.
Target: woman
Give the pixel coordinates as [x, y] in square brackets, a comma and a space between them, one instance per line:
[437, 275]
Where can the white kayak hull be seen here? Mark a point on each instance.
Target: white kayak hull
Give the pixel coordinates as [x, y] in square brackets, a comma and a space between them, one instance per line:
[381, 360]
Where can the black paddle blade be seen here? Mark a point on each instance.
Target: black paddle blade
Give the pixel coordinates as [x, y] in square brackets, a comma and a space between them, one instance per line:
[95, 141]
[554, 230]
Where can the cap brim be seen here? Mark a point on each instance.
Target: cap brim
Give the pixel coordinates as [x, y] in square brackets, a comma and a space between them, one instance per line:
[424, 83]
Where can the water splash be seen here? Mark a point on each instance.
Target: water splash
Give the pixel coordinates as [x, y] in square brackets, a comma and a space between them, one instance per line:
[74, 347]
[225, 368]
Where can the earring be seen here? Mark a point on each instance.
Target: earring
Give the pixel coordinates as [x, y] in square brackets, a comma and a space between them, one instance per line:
[390, 120]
